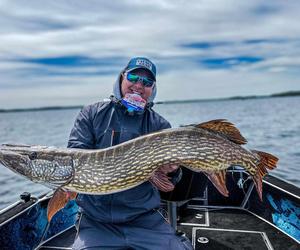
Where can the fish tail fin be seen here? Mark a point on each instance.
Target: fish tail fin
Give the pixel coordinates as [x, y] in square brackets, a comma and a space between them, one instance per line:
[58, 201]
[267, 161]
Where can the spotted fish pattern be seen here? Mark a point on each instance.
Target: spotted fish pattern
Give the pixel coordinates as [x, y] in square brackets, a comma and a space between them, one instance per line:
[210, 147]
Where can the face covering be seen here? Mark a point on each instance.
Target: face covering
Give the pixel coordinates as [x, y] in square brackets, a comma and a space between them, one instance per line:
[133, 103]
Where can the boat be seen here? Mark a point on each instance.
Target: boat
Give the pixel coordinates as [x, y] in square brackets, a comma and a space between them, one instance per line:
[195, 209]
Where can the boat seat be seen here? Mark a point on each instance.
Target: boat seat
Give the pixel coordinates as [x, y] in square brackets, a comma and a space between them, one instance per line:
[191, 188]
[173, 206]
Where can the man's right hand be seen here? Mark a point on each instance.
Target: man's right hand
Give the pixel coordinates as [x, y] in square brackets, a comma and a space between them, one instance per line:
[161, 180]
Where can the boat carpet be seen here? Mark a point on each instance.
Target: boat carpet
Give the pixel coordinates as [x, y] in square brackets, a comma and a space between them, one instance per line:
[213, 228]
[231, 228]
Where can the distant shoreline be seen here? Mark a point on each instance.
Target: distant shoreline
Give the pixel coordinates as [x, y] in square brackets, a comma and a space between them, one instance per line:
[283, 94]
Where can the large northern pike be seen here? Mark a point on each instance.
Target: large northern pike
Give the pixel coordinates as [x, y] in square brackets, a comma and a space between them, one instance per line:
[209, 147]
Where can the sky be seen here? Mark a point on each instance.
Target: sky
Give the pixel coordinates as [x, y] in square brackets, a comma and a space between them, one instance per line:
[63, 52]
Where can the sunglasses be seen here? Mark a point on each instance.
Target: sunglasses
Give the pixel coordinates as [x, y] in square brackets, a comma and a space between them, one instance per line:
[148, 82]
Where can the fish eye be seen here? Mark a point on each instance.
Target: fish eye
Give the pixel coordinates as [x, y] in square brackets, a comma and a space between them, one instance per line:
[32, 156]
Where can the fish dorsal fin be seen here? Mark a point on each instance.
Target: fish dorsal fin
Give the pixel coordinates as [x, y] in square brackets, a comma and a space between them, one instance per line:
[58, 201]
[225, 129]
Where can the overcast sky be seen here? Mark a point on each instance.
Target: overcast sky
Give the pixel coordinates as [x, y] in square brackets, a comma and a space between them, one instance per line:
[69, 52]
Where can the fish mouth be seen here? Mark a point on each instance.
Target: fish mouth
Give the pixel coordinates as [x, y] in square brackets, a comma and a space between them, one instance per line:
[16, 162]
[14, 147]
[17, 151]
[11, 145]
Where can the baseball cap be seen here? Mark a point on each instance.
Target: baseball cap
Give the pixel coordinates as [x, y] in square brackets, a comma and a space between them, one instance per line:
[141, 63]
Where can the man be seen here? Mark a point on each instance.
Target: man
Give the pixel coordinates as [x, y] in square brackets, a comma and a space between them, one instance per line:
[128, 219]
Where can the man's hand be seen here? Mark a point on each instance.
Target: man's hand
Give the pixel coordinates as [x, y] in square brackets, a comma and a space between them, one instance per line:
[162, 181]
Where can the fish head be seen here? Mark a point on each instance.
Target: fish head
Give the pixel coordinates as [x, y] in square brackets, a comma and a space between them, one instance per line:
[40, 164]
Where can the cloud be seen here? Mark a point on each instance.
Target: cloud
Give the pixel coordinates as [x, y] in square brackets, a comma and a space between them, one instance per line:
[237, 44]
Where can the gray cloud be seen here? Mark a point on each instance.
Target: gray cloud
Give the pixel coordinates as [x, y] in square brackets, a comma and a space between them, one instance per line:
[180, 36]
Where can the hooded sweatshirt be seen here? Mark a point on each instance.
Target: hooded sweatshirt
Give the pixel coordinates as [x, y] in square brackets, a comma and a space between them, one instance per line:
[105, 124]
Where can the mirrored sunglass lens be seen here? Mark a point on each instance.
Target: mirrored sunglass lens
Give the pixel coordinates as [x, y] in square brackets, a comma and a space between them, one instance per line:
[132, 78]
[148, 82]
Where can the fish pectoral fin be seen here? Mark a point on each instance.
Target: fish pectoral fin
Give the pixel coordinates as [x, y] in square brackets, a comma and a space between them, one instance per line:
[225, 129]
[58, 201]
[219, 181]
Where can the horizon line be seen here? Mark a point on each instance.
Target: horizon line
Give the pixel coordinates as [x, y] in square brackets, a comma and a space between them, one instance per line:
[281, 94]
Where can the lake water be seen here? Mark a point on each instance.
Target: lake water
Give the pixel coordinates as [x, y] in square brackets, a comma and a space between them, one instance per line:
[270, 124]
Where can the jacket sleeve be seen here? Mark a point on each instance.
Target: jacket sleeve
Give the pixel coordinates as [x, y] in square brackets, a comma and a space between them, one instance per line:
[82, 135]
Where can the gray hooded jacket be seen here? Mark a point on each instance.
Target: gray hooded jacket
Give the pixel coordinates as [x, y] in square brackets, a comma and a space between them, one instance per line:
[104, 124]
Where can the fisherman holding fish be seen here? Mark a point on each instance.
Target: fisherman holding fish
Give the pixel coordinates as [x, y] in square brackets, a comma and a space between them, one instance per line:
[127, 219]
[117, 185]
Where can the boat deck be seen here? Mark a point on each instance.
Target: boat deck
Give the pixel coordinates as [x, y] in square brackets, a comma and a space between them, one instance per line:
[231, 228]
[208, 219]
[212, 228]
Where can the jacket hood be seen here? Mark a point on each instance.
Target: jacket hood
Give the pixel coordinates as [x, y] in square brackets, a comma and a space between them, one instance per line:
[118, 95]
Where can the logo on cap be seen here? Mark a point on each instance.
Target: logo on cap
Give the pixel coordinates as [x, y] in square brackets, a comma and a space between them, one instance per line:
[145, 63]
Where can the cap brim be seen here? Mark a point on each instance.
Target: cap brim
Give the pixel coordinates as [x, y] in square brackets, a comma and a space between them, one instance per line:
[141, 67]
